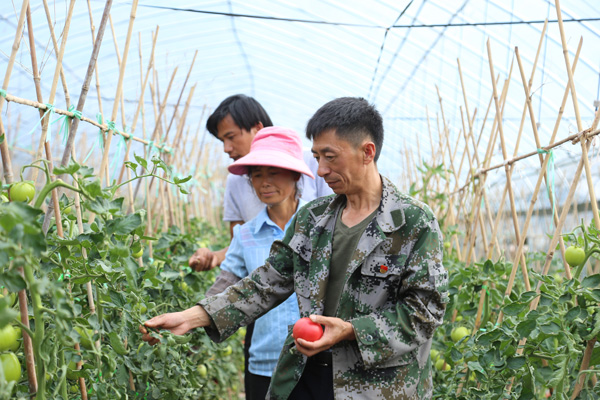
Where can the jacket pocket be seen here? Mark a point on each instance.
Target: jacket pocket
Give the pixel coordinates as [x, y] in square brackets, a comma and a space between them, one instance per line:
[380, 278]
[302, 246]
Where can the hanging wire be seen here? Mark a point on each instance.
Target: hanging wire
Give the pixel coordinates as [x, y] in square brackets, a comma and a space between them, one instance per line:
[387, 30]
[393, 59]
[448, 25]
[244, 55]
[418, 64]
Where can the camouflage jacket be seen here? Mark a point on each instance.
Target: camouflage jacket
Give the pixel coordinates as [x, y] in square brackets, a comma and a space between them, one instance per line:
[394, 296]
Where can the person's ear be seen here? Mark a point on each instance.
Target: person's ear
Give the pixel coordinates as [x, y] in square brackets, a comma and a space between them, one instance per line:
[257, 128]
[369, 151]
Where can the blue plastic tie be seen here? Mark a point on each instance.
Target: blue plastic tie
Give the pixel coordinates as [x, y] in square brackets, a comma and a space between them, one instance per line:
[49, 109]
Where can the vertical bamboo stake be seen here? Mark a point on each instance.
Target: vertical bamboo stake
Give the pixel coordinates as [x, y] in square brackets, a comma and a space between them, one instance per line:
[141, 98]
[586, 161]
[6, 161]
[507, 172]
[55, 44]
[104, 163]
[86, 84]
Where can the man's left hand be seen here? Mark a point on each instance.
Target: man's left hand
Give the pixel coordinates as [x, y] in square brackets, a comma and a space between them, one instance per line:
[335, 331]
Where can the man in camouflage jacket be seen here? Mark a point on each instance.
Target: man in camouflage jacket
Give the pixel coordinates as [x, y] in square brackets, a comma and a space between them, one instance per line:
[393, 296]
[394, 312]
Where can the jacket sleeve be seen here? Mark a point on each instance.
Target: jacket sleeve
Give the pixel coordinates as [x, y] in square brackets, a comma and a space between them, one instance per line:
[250, 298]
[393, 334]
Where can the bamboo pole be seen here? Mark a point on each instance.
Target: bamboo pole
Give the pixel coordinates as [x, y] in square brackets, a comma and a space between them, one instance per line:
[141, 97]
[55, 44]
[6, 161]
[104, 162]
[507, 171]
[586, 161]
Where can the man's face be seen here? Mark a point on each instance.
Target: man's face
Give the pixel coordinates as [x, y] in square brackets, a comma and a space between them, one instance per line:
[341, 165]
[236, 140]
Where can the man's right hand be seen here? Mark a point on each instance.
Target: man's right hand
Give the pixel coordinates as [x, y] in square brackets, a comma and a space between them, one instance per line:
[203, 260]
[177, 322]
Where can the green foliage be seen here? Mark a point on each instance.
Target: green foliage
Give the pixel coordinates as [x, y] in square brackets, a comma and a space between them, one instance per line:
[117, 363]
[497, 359]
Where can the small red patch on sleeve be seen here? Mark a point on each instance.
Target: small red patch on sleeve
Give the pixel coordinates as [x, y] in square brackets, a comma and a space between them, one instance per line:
[383, 269]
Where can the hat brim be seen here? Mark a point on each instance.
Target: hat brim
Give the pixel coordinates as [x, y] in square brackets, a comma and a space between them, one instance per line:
[269, 158]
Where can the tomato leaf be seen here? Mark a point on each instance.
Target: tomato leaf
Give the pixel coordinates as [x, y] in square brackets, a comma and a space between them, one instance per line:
[124, 225]
[515, 362]
[70, 169]
[117, 343]
[141, 161]
[12, 280]
[551, 328]
[591, 281]
[514, 308]
[524, 328]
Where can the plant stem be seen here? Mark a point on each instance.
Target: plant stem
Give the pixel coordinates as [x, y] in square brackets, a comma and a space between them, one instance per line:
[49, 187]
[38, 336]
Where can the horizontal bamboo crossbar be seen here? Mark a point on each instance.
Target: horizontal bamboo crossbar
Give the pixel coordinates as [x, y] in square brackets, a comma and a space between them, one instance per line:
[575, 138]
[104, 127]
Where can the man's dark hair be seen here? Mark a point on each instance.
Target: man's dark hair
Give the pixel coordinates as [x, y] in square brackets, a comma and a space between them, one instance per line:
[353, 120]
[245, 111]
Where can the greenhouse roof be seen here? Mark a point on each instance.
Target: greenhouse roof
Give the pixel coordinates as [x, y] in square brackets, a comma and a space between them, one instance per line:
[295, 56]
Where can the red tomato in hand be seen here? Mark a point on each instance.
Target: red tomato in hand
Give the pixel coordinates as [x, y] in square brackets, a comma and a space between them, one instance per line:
[305, 329]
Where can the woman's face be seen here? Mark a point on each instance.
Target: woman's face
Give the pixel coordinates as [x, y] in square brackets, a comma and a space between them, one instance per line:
[273, 185]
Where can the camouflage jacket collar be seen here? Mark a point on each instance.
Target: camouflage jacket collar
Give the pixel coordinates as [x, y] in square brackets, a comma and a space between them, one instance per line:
[389, 217]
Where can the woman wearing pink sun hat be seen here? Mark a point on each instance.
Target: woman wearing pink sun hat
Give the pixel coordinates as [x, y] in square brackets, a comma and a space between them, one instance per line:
[273, 147]
[273, 166]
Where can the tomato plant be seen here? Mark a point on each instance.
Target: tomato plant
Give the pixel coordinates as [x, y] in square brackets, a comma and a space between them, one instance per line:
[534, 353]
[61, 271]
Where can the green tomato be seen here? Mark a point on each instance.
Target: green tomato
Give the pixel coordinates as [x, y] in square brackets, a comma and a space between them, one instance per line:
[574, 255]
[139, 253]
[9, 338]
[226, 351]
[22, 191]
[184, 286]
[447, 245]
[11, 367]
[202, 370]
[459, 333]
[458, 318]
[439, 365]
[434, 354]
[12, 298]
[67, 210]
[74, 389]
[141, 308]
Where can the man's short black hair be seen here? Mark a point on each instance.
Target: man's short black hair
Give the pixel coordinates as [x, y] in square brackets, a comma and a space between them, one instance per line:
[245, 111]
[353, 120]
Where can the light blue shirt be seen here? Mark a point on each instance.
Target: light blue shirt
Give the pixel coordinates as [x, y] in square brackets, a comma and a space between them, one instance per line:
[248, 250]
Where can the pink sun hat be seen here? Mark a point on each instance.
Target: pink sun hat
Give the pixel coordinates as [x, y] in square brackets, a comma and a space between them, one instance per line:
[273, 146]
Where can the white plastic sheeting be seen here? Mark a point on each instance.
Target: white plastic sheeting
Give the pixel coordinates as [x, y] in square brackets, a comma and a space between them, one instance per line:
[299, 55]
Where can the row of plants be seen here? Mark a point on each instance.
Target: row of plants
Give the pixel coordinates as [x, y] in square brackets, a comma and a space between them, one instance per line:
[109, 260]
[533, 352]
